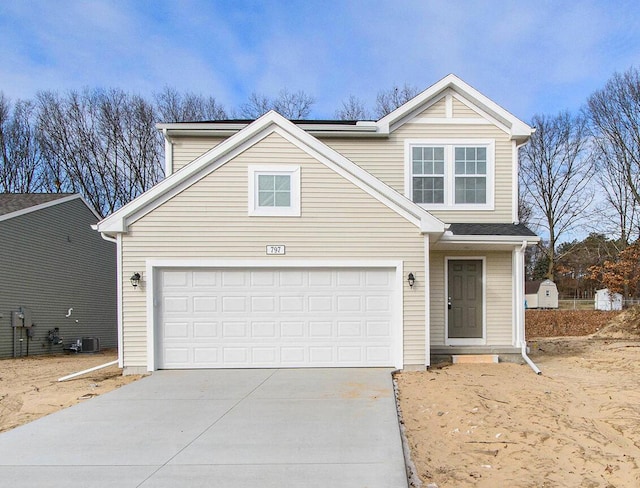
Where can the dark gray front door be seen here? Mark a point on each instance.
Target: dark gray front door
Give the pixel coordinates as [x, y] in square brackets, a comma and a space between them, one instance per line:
[465, 299]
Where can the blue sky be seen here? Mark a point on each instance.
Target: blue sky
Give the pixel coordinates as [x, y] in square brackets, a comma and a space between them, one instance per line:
[530, 57]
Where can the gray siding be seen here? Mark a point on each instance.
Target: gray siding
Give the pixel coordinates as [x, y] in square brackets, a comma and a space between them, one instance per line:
[51, 260]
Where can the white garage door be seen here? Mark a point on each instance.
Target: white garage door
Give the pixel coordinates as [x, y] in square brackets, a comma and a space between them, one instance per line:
[231, 318]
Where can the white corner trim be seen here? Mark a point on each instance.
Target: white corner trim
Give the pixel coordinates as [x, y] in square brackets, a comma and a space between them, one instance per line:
[151, 290]
[168, 154]
[427, 303]
[119, 291]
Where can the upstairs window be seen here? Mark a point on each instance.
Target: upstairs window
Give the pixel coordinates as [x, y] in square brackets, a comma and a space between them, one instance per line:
[450, 174]
[470, 174]
[274, 190]
[428, 174]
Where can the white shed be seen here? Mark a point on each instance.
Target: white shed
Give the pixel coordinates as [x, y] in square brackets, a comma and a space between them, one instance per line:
[605, 300]
[541, 294]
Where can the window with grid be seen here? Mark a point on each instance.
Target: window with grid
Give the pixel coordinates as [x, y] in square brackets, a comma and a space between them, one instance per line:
[470, 174]
[428, 174]
[274, 190]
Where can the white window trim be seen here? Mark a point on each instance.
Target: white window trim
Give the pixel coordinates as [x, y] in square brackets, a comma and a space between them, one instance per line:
[275, 169]
[449, 174]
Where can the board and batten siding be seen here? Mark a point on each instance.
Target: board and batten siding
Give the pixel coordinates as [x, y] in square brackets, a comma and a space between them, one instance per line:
[52, 261]
[385, 159]
[209, 220]
[498, 289]
[186, 149]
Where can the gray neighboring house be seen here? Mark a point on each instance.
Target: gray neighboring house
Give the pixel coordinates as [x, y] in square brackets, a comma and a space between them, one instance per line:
[52, 262]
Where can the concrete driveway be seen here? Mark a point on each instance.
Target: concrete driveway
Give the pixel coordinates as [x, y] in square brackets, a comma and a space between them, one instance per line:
[218, 428]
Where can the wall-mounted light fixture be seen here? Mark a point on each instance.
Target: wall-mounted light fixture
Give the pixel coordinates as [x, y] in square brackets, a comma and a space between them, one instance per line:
[135, 280]
[411, 279]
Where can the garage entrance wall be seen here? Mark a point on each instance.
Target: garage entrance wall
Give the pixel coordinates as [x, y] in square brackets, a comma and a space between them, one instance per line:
[209, 221]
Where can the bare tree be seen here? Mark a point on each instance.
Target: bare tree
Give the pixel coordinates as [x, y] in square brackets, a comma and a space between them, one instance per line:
[102, 144]
[292, 105]
[173, 106]
[556, 169]
[615, 118]
[621, 210]
[20, 157]
[352, 109]
[256, 106]
[389, 100]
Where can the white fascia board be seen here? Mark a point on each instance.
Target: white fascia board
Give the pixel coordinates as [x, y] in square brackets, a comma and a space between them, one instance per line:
[517, 128]
[449, 238]
[361, 178]
[117, 222]
[51, 203]
[226, 129]
[225, 151]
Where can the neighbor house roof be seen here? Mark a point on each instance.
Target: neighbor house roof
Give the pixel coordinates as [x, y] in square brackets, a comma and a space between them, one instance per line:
[14, 202]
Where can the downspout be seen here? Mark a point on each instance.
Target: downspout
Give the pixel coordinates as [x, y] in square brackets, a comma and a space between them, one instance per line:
[523, 344]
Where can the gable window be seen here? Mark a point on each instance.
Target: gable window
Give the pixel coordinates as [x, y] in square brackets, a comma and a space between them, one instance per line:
[274, 190]
[450, 174]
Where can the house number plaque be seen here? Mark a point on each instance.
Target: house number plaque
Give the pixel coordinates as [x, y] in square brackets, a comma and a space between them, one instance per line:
[276, 250]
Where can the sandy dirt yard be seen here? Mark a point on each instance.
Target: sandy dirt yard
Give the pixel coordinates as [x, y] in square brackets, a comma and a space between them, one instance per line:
[29, 387]
[495, 425]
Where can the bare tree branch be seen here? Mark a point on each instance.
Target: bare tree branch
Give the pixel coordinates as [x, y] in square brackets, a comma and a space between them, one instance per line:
[556, 169]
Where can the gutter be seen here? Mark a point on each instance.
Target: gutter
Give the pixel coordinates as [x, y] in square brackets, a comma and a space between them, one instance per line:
[523, 344]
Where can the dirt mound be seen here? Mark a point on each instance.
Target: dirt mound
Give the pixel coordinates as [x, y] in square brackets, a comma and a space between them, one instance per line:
[624, 326]
[562, 323]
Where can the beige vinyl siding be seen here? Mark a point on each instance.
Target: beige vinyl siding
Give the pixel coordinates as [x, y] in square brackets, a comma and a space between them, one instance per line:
[186, 149]
[384, 158]
[460, 110]
[209, 220]
[498, 290]
[437, 110]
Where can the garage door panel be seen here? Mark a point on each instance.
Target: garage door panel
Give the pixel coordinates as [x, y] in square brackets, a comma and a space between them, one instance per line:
[204, 330]
[271, 318]
[204, 304]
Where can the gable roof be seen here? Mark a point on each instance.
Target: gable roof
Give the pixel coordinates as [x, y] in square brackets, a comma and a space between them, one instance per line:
[517, 129]
[15, 204]
[225, 151]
